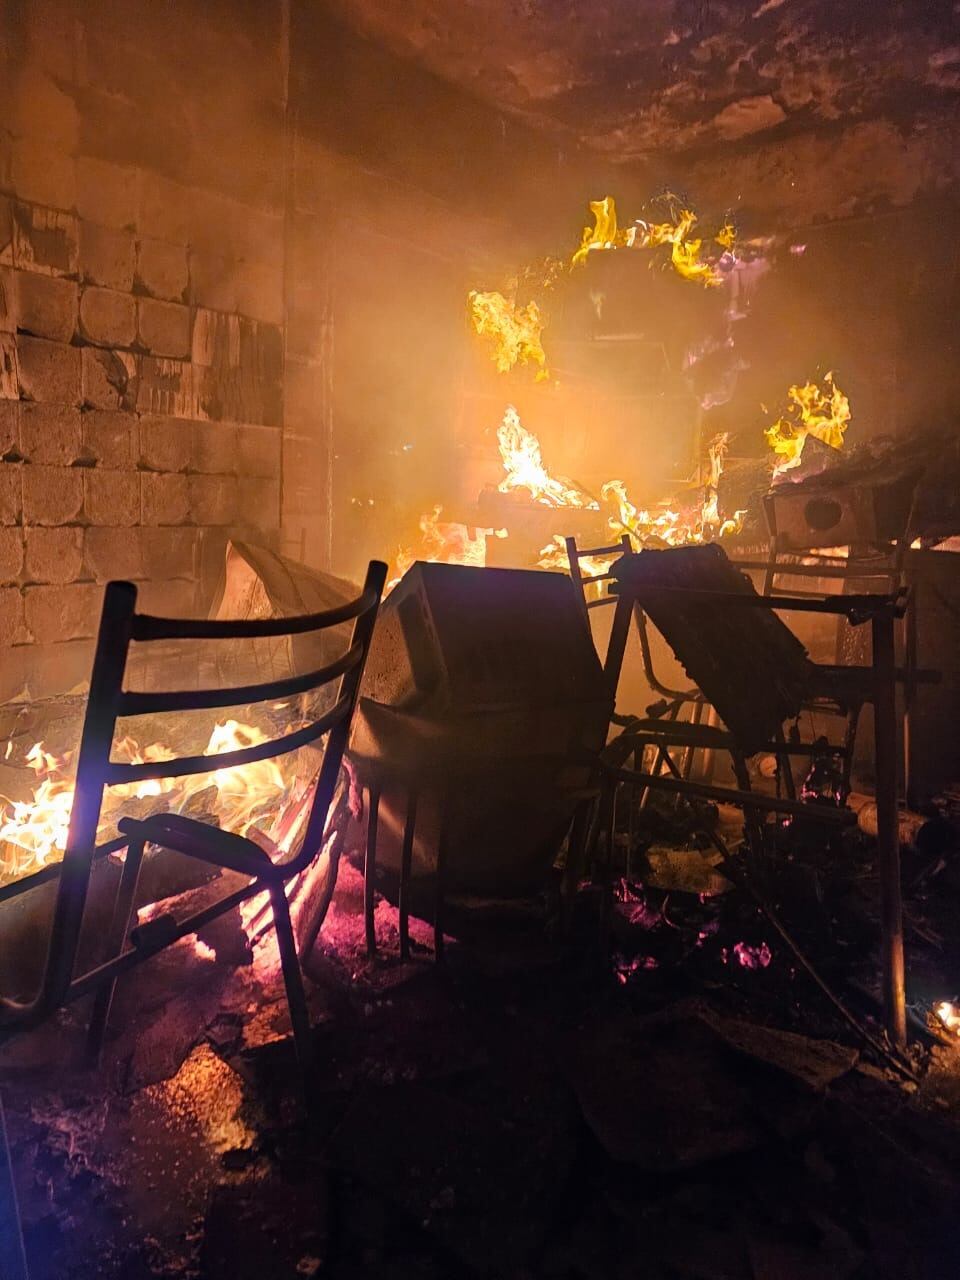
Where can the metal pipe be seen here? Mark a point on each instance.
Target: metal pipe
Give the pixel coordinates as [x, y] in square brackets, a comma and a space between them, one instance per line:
[888, 834]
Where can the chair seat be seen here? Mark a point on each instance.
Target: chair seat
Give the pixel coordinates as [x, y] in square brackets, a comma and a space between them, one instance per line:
[205, 842]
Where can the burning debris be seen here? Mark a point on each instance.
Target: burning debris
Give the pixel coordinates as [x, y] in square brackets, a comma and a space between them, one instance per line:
[821, 412]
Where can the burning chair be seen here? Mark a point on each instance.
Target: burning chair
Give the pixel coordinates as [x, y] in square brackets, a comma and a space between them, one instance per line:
[120, 626]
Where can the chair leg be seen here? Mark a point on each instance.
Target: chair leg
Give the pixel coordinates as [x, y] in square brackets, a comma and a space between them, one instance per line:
[116, 937]
[440, 890]
[292, 979]
[752, 820]
[369, 873]
[406, 858]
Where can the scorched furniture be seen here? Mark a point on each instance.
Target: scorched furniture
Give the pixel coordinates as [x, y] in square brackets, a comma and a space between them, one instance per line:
[120, 626]
[757, 675]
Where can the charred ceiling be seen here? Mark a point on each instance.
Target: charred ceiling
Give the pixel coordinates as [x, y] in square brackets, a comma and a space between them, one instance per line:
[682, 76]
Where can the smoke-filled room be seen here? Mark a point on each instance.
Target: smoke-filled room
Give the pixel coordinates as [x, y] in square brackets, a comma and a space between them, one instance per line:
[479, 640]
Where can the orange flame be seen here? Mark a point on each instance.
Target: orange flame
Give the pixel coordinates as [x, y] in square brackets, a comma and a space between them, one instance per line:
[523, 465]
[514, 331]
[33, 832]
[823, 413]
[684, 252]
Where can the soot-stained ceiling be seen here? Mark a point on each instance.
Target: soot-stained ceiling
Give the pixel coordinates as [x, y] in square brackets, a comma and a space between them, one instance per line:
[636, 78]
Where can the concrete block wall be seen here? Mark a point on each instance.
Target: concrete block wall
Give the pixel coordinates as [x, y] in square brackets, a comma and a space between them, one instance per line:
[141, 315]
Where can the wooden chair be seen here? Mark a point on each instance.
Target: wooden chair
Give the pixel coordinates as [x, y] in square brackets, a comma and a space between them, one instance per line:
[120, 627]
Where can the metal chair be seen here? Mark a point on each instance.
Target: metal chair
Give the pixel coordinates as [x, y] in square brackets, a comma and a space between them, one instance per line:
[673, 702]
[120, 626]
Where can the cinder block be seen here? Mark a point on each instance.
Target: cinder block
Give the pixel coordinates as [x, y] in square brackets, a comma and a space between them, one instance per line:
[43, 173]
[214, 281]
[164, 327]
[165, 499]
[111, 498]
[52, 495]
[54, 555]
[11, 492]
[166, 444]
[11, 554]
[50, 434]
[174, 599]
[9, 428]
[111, 379]
[46, 306]
[112, 553]
[49, 371]
[169, 552]
[213, 499]
[41, 110]
[6, 232]
[9, 368]
[52, 669]
[67, 612]
[258, 451]
[215, 448]
[259, 288]
[107, 317]
[162, 269]
[167, 387]
[45, 240]
[12, 625]
[166, 209]
[111, 439]
[107, 256]
[216, 339]
[260, 502]
[8, 300]
[108, 194]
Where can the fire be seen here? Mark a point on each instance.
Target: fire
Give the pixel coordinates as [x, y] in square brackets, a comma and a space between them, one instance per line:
[949, 1015]
[818, 411]
[603, 234]
[443, 543]
[525, 471]
[248, 798]
[523, 465]
[684, 251]
[514, 331]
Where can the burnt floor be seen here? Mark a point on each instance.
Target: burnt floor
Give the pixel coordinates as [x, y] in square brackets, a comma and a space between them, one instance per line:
[526, 1112]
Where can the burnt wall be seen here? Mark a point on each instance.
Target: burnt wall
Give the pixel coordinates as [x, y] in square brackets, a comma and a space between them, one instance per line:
[194, 195]
[141, 310]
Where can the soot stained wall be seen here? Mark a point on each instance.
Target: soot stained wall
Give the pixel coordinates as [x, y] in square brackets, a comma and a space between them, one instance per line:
[178, 181]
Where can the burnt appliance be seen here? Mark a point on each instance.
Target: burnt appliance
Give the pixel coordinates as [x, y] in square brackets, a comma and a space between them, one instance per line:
[484, 696]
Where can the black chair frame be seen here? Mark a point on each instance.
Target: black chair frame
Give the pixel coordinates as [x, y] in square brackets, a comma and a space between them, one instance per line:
[120, 626]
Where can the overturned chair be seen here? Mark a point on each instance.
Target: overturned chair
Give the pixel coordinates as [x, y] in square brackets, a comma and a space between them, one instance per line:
[120, 627]
[757, 675]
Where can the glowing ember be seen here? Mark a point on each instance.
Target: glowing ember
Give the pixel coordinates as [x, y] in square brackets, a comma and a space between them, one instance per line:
[523, 465]
[244, 799]
[514, 331]
[949, 1015]
[749, 956]
[818, 411]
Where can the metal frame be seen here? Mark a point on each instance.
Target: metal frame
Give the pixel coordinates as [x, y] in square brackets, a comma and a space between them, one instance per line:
[880, 680]
[121, 626]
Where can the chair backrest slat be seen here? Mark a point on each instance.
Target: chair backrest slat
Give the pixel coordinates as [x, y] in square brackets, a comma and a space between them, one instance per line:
[138, 704]
[147, 627]
[117, 774]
